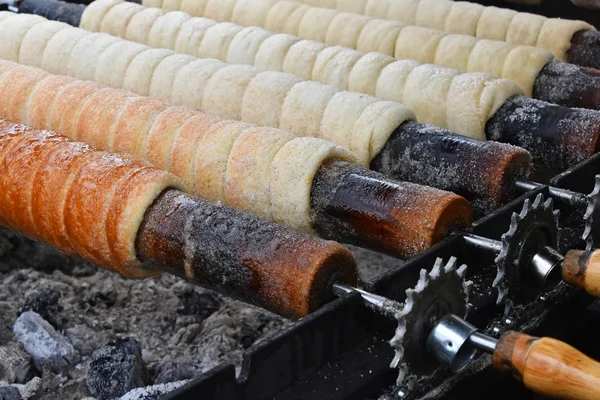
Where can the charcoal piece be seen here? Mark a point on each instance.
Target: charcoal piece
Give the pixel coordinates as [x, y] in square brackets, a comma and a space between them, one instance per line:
[199, 304]
[115, 369]
[45, 303]
[44, 344]
[32, 390]
[173, 371]
[10, 393]
[15, 365]
[8, 315]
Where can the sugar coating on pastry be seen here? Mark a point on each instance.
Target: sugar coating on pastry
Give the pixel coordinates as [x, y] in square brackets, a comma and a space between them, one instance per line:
[247, 181]
[291, 184]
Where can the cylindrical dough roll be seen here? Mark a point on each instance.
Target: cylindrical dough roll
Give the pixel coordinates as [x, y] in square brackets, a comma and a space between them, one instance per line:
[251, 13]
[171, 5]
[23, 157]
[16, 86]
[264, 97]
[379, 36]
[340, 116]
[161, 84]
[217, 39]
[272, 52]
[61, 171]
[433, 14]
[115, 61]
[315, 24]
[165, 29]
[162, 135]
[333, 66]
[524, 29]
[285, 17]
[463, 18]
[253, 150]
[14, 30]
[185, 146]
[422, 90]
[101, 110]
[117, 19]
[139, 26]
[392, 80]
[380, 118]
[291, 186]
[94, 13]
[366, 72]
[245, 45]
[300, 57]
[345, 30]
[488, 56]
[35, 41]
[42, 99]
[99, 180]
[194, 7]
[310, 96]
[454, 51]
[133, 126]
[190, 35]
[65, 112]
[139, 73]
[221, 10]
[86, 54]
[211, 167]
[191, 81]
[556, 35]
[225, 89]
[418, 43]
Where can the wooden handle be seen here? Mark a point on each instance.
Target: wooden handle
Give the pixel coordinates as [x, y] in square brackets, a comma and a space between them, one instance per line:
[548, 366]
[582, 269]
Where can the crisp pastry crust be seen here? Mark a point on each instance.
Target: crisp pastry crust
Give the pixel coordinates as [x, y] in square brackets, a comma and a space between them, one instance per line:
[375, 74]
[65, 192]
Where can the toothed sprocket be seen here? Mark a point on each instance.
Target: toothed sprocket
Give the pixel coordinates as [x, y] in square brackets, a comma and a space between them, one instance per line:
[591, 218]
[535, 227]
[437, 293]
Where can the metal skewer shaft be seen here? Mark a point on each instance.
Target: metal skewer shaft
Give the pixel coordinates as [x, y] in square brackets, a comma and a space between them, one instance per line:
[573, 198]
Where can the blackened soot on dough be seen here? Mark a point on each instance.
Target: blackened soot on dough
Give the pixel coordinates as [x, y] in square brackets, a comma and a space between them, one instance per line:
[362, 207]
[483, 172]
[568, 85]
[54, 10]
[240, 255]
[585, 49]
[557, 137]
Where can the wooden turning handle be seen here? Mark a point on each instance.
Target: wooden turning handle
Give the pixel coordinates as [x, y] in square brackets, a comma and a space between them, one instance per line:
[582, 269]
[548, 366]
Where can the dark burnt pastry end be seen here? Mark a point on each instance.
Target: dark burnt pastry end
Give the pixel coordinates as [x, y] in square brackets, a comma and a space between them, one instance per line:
[362, 207]
[483, 172]
[557, 137]
[568, 85]
[585, 49]
[242, 256]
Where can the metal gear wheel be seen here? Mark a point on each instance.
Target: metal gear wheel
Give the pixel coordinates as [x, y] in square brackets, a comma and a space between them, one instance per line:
[535, 227]
[437, 293]
[591, 218]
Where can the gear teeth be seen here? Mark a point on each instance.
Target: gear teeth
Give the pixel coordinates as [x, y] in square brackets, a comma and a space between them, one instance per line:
[538, 203]
[441, 271]
[589, 217]
[539, 199]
